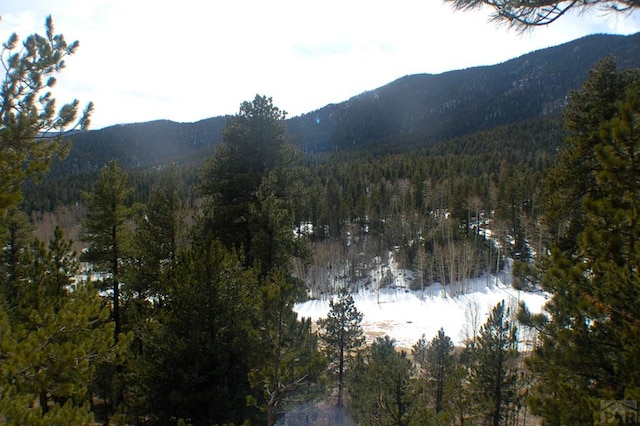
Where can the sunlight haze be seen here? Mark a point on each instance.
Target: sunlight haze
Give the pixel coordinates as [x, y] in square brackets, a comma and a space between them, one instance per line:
[189, 60]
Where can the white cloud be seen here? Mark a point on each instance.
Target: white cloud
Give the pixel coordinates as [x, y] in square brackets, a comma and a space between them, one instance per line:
[188, 60]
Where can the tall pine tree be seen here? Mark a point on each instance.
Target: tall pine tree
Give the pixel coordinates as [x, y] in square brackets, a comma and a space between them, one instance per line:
[493, 373]
[342, 334]
[30, 129]
[105, 229]
[588, 349]
[379, 385]
[242, 210]
[436, 362]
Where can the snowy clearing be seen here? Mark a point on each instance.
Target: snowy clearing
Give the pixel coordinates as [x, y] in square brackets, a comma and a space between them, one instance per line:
[406, 315]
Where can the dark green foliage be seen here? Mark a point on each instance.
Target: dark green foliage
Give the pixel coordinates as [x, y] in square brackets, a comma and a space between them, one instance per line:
[436, 362]
[15, 230]
[525, 276]
[105, 229]
[244, 185]
[379, 385]
[198, 347]
[493, 372]
[589, 350]
[272, 243]
[575, 174]
[30, 128]
[341, 334]
[148, 277]
[158, 238]
[286, 363]
[53, 337]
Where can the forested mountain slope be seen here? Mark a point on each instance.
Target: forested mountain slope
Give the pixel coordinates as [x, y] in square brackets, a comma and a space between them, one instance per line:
[417, 112]
[142, 144]
[420, 109]
[412, 111]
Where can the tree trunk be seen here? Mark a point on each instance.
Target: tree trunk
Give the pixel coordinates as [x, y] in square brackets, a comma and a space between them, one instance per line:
[116, 283]
[341, 369]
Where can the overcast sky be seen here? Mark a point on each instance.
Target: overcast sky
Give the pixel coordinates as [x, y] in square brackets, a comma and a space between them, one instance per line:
[188, 60]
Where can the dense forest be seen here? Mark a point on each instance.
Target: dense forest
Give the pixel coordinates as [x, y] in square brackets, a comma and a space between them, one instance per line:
[158, 292]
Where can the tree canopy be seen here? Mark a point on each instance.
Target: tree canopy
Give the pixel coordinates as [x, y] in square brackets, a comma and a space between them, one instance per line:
[342, 334]
[587, 352]
[245, 186]
[31, 129]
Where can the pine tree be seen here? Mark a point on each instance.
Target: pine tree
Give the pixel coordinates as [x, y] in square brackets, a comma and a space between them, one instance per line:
[271, 226]
[156, 242]
[289, 363]
[493, 374]
[379, 385]
[254, 147]
[31, 135]
[53, 340]
[16, 231]
[573, 175]
[436, 362]
[587, 353]
[105, 228]
[201, 344]
[341, 332]
[148, 276]
[53, 330]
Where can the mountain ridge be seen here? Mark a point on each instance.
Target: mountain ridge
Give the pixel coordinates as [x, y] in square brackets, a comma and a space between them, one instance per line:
[410, 112]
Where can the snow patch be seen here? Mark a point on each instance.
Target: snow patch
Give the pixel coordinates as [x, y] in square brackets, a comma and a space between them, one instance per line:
[406, 315]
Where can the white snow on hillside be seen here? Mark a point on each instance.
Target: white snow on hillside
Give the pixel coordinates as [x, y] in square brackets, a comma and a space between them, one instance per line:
[406, 315]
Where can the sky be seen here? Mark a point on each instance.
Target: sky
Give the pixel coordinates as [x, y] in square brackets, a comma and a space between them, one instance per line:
[187, 60]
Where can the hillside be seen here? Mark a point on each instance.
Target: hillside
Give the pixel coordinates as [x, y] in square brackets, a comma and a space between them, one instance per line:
[471, 109]
[410, 112]
[421, 109]
[142, 144]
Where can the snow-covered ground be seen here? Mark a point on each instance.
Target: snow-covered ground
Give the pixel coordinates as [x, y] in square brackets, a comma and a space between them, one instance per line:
[406, 315]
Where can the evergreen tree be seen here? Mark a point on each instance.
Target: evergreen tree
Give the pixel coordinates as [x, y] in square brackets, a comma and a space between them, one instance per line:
[289, 363]
[586, 352]
[105, 229]
[436, 362]
[16, 231]
[53, 330]
[200, 346]
[493, 374]
[572, 177]
[155, 245]
[148, 277]
[254, 147]
[271, 225]
[30, 128]
[51, 344]
[341, 332]
[379, 385]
